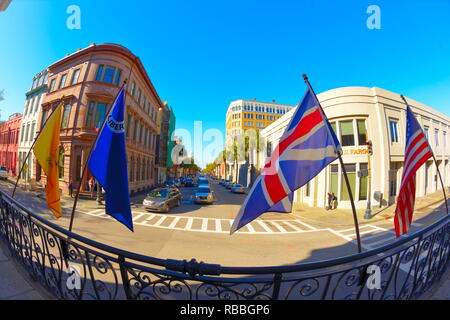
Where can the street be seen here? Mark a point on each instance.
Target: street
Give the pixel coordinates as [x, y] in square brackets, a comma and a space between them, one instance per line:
[202, 231]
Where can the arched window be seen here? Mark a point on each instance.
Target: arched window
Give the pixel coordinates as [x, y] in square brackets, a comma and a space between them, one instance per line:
[61, 162]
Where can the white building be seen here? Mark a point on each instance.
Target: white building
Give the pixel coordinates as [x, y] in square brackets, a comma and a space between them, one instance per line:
[245, 118]
[31, 114]
[359, 114]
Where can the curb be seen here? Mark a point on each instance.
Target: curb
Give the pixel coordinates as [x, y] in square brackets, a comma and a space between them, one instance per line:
[365, 221]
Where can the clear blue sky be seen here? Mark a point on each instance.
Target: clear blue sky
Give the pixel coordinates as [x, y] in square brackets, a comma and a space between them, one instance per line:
[201, 55]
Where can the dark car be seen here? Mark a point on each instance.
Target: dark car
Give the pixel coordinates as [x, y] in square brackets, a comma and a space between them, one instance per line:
[162, 199]
[204, 195]
[189, 182]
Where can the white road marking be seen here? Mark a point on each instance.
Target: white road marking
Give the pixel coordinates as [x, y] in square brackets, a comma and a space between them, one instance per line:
[160, 221]
[218, 225]
[264, 226]
[279, 227]
[189, 224]
[292, 226]
[204, 225]
[250, 228]
[138, 216]
[174, 222]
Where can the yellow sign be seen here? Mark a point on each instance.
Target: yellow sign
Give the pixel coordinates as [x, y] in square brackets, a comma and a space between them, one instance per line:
[352, 152]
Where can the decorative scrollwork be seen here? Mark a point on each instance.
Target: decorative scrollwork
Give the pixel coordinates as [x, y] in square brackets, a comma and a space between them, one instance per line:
[47, 254]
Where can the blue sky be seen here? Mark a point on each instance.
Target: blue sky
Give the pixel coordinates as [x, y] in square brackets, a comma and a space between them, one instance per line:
[201, 55]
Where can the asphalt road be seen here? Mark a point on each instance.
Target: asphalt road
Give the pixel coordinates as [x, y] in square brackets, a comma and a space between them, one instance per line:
[202, 232]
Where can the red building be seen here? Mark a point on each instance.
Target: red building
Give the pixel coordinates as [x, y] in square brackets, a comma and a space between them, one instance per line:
[9, 142]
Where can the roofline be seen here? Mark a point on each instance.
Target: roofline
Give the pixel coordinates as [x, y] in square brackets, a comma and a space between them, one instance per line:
[117, 48]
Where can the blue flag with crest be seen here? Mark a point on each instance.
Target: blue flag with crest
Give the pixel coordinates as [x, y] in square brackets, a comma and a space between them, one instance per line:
[108, 163]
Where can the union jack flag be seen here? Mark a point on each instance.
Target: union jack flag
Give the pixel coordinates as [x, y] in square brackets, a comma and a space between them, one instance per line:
[417, 152]
[307, 146]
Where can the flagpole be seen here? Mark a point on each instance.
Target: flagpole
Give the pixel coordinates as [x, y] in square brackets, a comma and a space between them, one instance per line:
[347, 182]
[437, 167]
[89, 156]
[32, 145]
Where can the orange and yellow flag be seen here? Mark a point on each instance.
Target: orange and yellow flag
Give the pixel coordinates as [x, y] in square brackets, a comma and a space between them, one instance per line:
[46, 150]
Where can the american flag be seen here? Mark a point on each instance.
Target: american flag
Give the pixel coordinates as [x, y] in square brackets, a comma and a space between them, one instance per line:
[417, 152]
[307, 146]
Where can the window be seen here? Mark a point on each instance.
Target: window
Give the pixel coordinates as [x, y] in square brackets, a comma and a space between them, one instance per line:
[128, 124]
[27, 132]
[78, 168]
[22, 133]
[333, 126]
[52, 85]
[436, 137]
[393, 130]
[38, 103]
[362, 132]
[135, 129]
[98, 77]
[118, 75]
[44, 117]
[363, 182]
[89, 114]
[109, 74]
[99, 114]
[139, 96]
[61, 163]
[65, 117]
[425, 129]
[334, 170]
[33, 125]
[351, 174]
[62, 81]
[133, 88]
[347, 135]
[75, 76]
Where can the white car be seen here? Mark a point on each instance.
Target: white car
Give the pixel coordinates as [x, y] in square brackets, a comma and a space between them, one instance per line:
[3, 173]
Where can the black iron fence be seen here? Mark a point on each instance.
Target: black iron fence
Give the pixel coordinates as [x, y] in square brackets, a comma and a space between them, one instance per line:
[70, 266]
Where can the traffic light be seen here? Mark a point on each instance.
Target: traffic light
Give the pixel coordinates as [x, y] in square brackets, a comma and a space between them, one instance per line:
[369, 147]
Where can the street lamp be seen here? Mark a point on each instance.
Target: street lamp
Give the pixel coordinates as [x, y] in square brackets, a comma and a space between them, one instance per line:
[368, 213]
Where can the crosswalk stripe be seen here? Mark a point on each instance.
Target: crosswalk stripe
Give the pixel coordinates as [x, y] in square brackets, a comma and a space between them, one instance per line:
[174, 222]
[204, 224]
[292, 226]
[250, 228]
[160, 221]
[138, 216]
[218, 226]
[189, 224]
[265, 227]
[279, 227]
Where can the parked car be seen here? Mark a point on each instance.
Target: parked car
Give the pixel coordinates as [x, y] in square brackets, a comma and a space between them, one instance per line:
[228, 184]
[3, 173]
[238, 188]
[189, 182]
[221, 181]
[162, 199]
[202, 181]
[204, 195]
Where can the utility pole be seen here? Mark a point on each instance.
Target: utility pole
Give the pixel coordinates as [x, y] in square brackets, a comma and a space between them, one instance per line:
[368, 213]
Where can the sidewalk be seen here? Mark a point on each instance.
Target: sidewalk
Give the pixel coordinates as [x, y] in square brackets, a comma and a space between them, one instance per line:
[344, 217]
[15, 283]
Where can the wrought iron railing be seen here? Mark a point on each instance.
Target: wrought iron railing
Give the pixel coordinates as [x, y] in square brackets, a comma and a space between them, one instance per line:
[50, 254]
